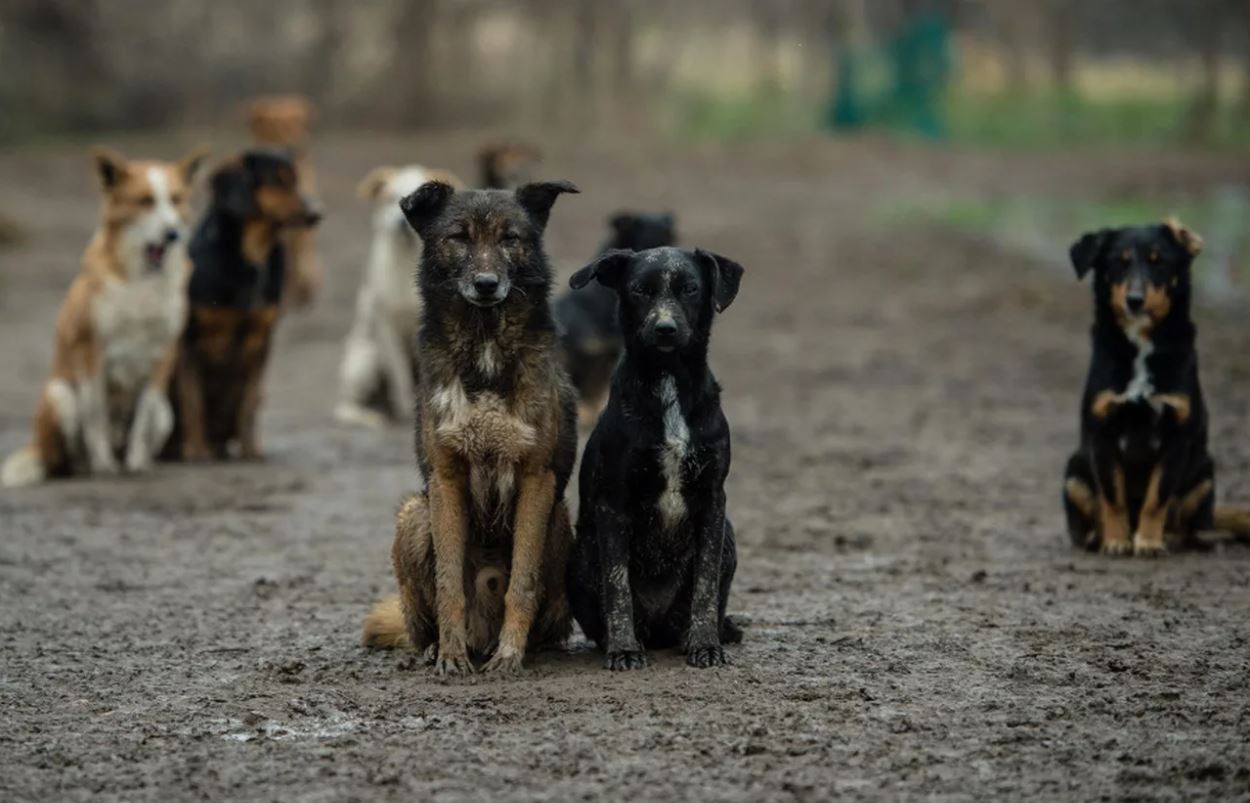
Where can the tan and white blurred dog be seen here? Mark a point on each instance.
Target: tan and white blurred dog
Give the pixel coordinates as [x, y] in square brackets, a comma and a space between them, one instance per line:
[376, 378]
[105, 405]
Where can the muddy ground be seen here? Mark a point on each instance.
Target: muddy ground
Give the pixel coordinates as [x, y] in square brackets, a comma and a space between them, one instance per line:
[902, 401]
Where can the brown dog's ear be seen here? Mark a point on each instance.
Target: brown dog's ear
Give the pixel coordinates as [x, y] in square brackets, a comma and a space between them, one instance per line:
[724, 275]
[110, 166]
[192, 162]
[423, 204]
[1184, 236]
[371, 186]
[445, 176]
[538, 198]
[609, 269]
[1086, 251]
[232, 189]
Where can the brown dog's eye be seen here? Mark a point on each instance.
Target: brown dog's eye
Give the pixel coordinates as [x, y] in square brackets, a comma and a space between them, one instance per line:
[147, 200]
[176, 199]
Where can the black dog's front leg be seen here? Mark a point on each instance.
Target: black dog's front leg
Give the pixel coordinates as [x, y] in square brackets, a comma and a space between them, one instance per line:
[703, 647]
[622, 648]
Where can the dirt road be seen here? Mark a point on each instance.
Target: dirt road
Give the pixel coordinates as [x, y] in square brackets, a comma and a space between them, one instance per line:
[902, 401]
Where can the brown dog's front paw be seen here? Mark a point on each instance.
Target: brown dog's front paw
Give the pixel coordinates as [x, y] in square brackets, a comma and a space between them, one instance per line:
[621, 660]
[452, 664]
[1146, 547]
[506, 660]
[704, 657]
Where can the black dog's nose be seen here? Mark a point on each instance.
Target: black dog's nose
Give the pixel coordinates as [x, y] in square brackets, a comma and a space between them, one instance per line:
[1135, 301]
[485, 283]
[666, 328]
[171, 236]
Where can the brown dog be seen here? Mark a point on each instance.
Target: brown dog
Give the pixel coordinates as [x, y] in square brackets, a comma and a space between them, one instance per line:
[507, 165]
[105, 402]
[480, 553]
[282, 121]
[236, 291]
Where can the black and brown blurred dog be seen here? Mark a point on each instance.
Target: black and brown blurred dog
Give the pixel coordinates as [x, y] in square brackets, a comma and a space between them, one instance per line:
[507, 165]
[1142, 475]
[238, 268]
[589, 330]
[480, 552]
[655, 555]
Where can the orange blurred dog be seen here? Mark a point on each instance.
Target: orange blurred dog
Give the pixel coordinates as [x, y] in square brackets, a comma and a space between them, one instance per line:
[117, 330]
[283, 121]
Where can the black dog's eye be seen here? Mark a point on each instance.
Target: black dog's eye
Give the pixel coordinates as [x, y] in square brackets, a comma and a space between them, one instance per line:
[459, 236]
[691, 290]
[510, 237]
[638, 291]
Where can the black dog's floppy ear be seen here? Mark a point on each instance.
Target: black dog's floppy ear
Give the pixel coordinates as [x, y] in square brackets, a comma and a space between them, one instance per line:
[1184, 236]
[424, 203]
[609, 268]
[232, 188]
[1086, 251]
[538, 198]
[724, 275]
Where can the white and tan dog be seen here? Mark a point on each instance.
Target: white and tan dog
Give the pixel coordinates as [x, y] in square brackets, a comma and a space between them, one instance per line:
[376, 378]
[105, 404]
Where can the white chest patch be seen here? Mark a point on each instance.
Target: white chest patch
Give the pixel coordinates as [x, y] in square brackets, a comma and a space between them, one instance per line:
[481, 429]
[673, 453]
[1141, 386]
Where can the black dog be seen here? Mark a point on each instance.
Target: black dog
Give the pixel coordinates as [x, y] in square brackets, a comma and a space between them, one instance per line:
[655, 555]
[590, 333]
[236, 284]
[1142, 469]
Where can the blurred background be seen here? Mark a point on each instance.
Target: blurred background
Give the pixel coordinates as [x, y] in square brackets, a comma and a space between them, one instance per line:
[963, 74]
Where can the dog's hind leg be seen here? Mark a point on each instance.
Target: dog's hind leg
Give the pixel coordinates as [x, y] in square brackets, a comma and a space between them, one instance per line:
[412, 556]
[397, 364]
[730, 632]
[1080, 502]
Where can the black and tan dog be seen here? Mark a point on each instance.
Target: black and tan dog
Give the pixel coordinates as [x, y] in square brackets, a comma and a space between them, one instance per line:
[1142, 475]
[238, 267]
[655, 553]
[589, 330]
[480, 553]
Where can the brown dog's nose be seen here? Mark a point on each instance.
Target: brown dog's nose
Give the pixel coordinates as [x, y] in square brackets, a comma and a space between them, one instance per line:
[485, 283]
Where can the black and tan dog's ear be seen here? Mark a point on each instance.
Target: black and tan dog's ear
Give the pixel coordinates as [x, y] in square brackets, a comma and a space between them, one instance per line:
[723, 274]
[232, 188]
[1184, 236]
[371, 186]
[1086, 251]
[423, 204]
[190, 165]
[609, 269]
[110, 166]
[538, 197]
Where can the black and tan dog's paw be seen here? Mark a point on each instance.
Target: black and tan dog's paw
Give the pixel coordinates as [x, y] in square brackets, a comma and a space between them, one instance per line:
[708, 656]
[621, 660]
[453, 665]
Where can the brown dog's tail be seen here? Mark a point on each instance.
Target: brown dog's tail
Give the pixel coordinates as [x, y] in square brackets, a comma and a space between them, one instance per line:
[384, 626]
[1234, 520]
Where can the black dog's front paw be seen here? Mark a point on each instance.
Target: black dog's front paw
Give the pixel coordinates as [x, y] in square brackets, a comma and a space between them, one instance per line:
[620, 660]
[704, 657]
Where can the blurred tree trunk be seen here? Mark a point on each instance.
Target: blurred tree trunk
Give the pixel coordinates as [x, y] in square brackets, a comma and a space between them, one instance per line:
[1206, 33]
[320, 61]
[1061, 46]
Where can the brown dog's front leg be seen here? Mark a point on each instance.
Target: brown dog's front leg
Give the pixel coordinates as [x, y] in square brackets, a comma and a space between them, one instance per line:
[703, 647]
[190, 400]
[449, 514]
[536, 492]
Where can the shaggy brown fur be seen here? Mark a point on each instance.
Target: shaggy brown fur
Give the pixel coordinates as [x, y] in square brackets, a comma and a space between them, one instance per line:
[480, 553]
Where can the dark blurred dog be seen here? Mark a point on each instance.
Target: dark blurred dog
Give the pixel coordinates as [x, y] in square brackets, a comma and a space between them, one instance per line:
[507, 165]
[1142, 469]
[283, 121]
[238, 266]
[655, 555]
[590, 332]
[480, 552]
